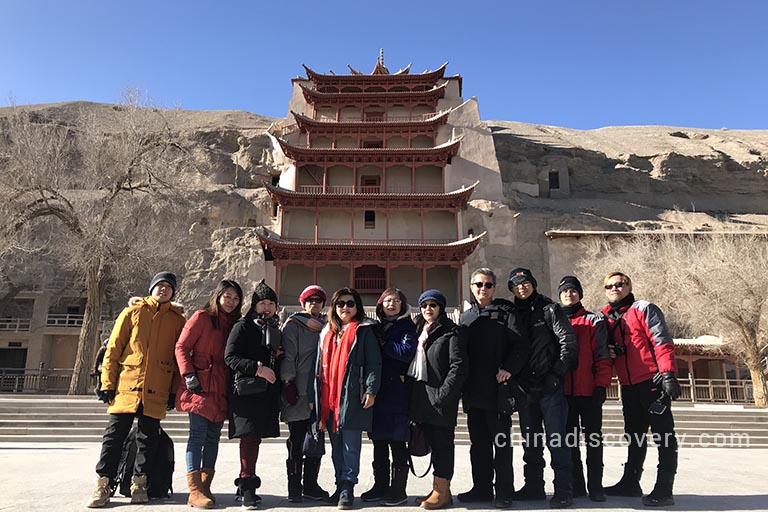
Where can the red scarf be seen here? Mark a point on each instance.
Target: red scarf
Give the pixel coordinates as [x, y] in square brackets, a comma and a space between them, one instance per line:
[334, 367]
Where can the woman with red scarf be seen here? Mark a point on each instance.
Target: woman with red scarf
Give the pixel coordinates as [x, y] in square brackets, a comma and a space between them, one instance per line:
[348, 376]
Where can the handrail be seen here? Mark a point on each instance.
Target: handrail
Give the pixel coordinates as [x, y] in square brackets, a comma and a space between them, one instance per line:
[14, 324]
[350, 189]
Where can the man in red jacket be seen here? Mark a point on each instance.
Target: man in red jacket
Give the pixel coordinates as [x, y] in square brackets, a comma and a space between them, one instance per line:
[585, 389]
[645, 364]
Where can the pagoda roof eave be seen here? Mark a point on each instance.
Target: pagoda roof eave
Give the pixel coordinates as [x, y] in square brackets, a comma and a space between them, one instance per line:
[395, 77]
[343, 155]
[440, 117]
[312, 95]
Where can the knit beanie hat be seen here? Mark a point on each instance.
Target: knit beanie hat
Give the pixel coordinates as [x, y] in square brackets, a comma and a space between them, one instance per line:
[163, 276]
[435, 295]
[570, 282]
[521, 275]
[263, 292]
[312, 290]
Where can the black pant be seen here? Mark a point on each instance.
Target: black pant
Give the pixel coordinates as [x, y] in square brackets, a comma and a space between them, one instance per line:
[635, 401]
[399, 453]
[490, 431]
[115, 434]
[586, 415]
[295, 442]
[440, 439]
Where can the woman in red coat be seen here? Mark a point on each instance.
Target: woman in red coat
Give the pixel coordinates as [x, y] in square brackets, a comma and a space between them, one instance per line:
[200, 355]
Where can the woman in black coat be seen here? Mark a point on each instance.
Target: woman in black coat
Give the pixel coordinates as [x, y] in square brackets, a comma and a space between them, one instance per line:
[252, 349]
[438, 369]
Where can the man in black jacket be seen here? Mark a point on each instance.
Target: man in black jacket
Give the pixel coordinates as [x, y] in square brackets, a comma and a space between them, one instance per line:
[497, 352]
[553, 352]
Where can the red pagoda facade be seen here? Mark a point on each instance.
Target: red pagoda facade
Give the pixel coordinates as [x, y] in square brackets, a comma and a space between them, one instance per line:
[362, 200]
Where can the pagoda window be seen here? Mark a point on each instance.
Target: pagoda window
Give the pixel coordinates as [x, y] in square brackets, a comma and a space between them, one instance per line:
[422, 141]
[370, 185]
[370, 279]
[370, 219]
[372, 143]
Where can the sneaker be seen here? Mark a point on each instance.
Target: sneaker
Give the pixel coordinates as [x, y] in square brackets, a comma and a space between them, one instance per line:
[139, 489]
[100, 496]
[500, 502]
[657, 500]
[346, 496]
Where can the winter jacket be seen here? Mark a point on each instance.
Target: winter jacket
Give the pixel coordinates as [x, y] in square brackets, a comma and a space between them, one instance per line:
[362, 375]
[494, 341]
[594, 368]
[436, 402]
[640, 333]
[300, 346]
[553, 346]
[200, 350]
[139, 363]
[398, 346]
[256, 414]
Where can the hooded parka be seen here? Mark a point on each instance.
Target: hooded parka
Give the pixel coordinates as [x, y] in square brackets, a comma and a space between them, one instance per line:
[139, 363]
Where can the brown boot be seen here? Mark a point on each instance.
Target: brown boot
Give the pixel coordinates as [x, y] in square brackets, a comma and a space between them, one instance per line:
[440, 497]
[197, 498]
[206, 476]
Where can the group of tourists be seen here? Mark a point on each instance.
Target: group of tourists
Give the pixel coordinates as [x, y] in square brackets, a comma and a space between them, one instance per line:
[329, 369]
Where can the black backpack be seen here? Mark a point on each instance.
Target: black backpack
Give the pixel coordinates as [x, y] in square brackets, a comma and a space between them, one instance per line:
[160, 474]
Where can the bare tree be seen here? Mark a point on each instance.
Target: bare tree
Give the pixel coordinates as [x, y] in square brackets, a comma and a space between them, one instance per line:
[705, 283]
[112, 191]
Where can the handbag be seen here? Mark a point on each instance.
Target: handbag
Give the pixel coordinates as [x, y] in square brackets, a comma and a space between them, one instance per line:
[246, 386]
[418, 447]
[511, 397]
[314, 442]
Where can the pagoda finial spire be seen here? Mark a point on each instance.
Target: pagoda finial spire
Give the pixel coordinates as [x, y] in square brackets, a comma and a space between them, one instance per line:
[381, 56]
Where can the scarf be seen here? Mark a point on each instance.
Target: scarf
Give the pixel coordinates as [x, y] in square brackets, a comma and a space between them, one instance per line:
[418, 366]
[334, 366]
[314, 324]
[571, 310]
[624, 303]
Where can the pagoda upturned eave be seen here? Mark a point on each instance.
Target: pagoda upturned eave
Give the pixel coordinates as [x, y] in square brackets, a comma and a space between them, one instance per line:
[305, 122]
[313, 96]
[436, 154]
[329, 79]
[453, 200]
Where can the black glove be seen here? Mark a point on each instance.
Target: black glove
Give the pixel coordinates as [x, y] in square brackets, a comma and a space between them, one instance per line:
[598, 395]
[291, 392]
[669, 384]
[171, 405]
[193, 383]
[106, 395]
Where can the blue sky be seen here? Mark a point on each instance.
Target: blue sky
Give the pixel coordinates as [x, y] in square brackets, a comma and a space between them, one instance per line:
[580, 64]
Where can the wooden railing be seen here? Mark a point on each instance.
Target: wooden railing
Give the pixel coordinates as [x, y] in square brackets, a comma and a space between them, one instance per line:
[705, 390]
[351, 189]
[15, 324]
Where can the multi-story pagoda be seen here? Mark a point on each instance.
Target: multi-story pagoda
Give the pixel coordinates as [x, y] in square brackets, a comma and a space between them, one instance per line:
[366, 198]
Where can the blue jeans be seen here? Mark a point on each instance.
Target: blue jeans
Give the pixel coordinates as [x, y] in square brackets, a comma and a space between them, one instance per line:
[547, 414]
[203, 443]
[345, 453]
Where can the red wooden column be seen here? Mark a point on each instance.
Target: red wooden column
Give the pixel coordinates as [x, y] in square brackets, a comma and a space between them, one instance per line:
[325, 178]
[317, 224]
[423, 277]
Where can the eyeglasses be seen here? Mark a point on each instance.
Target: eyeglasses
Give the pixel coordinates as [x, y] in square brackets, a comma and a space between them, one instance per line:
[619, 285]
[521, 283]
[430, 305]
[314, 300]
[487, 284]
[346, 304]
[391, 301]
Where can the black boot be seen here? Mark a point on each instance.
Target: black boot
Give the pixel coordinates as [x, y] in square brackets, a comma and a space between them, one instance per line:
[312, 490]
[293, 470]
[595, 482]
[629, 485]
[380, 482]
[661, 495]
[333, 499]
[533, 489]
[346, 495]
[397, 495]
[476, 495]
[579, 485]
[246, 488]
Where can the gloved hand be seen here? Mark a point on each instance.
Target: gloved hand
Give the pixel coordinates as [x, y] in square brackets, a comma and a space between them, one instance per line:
[669, 384]
[598, 394]
[291, 392]
[193, 383]
[171, 405]
[106, 395]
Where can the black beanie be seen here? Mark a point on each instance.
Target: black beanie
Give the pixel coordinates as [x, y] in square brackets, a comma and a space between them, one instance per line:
[520, 275]
[263, 292]
[570, 282]
[163, 276]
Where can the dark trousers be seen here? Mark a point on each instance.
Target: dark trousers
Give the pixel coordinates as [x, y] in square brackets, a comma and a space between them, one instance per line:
[585, 416]
[635, 401]
[490, 432]
[399, 453]
[295, 442]
[440, 439]
[549, 414]
[116, 433]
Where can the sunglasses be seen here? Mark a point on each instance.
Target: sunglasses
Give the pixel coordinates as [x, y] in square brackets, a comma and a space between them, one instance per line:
[487, 284]
[346, 304]
[430, 305]
[314, 300]
[619, 285]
